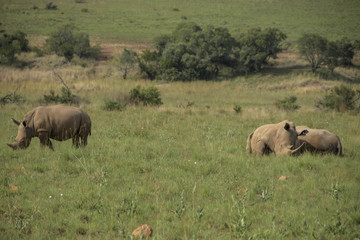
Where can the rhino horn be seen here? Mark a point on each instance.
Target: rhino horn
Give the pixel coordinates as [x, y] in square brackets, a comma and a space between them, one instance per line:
[12, 145]
[16, 122]
[298, 149]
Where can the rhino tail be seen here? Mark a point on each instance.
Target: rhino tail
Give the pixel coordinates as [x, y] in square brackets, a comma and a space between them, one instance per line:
[248, 143]
[339, 147]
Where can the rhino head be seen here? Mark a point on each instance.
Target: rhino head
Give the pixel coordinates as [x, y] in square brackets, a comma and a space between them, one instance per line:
[287, 139]
[23, 137]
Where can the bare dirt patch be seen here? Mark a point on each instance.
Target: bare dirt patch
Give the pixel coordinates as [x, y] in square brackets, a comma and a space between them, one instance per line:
[111, 49]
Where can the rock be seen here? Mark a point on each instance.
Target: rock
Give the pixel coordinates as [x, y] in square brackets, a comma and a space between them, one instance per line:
[144, 230]
[282, 178]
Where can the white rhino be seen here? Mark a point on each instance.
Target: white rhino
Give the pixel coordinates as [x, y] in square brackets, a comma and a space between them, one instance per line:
[279, 138]
[59, 122]
[320, 140]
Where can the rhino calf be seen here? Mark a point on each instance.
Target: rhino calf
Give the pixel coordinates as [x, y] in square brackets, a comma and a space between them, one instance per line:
[59, 122]
[280, 138]
[320, 140]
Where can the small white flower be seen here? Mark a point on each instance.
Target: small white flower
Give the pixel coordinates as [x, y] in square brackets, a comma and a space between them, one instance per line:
[61, 194]
[195, 163]
[50, 196]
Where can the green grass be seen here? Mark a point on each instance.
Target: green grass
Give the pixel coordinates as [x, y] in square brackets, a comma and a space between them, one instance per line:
[182, 170]
[181, 167]
[140, 21]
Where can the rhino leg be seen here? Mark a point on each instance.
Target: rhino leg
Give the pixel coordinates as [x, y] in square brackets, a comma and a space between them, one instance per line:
[85, 130]
[84, 140]
[44, 140]
[49, 144]
[260, 148]
[75, 141]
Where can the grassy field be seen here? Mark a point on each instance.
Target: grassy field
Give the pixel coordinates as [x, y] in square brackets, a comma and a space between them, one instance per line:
[141, 20]
[180, 167]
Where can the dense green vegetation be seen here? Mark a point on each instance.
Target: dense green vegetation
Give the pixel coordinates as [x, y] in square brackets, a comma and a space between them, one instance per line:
[192, 53]
[67, 42]
[177, 159]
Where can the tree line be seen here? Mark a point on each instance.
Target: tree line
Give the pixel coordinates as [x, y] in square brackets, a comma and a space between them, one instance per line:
[192, 52]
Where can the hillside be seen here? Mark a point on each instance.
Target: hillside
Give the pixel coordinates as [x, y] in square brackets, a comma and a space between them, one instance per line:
[141, 20]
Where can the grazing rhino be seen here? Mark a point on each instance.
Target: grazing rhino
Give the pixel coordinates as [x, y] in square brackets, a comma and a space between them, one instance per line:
[279, 138]
[59, 122]
[319, 140]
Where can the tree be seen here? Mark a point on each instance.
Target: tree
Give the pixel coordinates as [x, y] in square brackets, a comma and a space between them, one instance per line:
[10, 45]
[313, 47]
[66, 42]
[127, 61]
[341, 98]
[191, 52]
[345, 51]
[148, 62]
[257, 46]
[319, 51]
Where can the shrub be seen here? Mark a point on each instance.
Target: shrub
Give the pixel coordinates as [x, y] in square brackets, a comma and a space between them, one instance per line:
[341, 98]
[146, 96]
[111, 105]
[288, 104]
[50, 6]
[12, 98]
[38, 51]
[66, 42]
[148, 63]
[192, 52]
[66, 97]
[237, 108]
[10, 45]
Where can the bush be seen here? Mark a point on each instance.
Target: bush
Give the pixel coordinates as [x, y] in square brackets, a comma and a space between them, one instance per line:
[287, 104]
[146, 96]
[341, 98]
[10, 45]
[111, 105]
[12, 98]
[50, 6]
[148, 63]
[237, 108]
[192, 52]
[66, 97]
[66, 42]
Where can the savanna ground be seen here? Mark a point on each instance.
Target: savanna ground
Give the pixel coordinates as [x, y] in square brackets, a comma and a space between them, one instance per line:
[181, 167]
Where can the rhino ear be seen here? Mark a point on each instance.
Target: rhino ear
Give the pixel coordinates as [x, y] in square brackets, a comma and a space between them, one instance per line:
[304, 132]
[16, 122]
[287, 126]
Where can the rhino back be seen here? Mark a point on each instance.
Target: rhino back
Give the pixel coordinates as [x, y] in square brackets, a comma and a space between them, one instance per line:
[320, 139]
